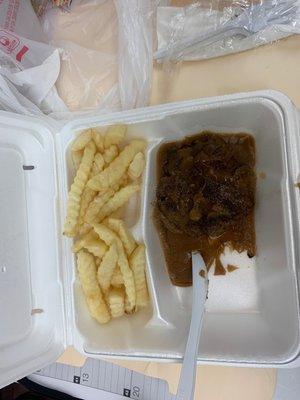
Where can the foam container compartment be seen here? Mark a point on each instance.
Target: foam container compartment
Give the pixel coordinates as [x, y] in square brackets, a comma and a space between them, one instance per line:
[252, 314]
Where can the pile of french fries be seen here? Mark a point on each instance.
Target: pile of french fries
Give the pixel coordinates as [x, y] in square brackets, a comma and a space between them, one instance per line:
[111, 265]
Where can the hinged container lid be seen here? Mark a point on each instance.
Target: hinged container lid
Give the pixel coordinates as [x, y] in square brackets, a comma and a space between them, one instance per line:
[31, 306]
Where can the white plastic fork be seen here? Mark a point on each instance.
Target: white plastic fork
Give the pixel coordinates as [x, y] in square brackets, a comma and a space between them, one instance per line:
[186, 386]
[251, 20]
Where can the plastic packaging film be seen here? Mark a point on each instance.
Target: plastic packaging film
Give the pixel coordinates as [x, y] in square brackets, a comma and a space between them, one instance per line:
[211, 28]
[49, 65]
[105, 65]
[88, 55]
[136, 18]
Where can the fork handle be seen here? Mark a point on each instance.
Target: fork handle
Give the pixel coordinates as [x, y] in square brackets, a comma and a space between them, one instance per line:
[186, 386]
[205, 39]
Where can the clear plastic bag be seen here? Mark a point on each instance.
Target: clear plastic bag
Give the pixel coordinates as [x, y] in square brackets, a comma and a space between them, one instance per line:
[19, 17]
[210, 28]
[29, 67]
[105, 63]
[88, 39]
[136, 24]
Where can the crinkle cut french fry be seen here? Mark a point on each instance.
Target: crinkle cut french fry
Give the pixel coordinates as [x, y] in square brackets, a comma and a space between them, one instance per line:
[92, 243]
[88, 194]
[77, 187]
[118, 226]
[82, 140]
[84, 229]
[118, 200]
[97, 262]
[116, 302]
[87, 272]
[127, 276]
[114, 135]
[98, 138]
[76, 158]
[118, 213]
[117, 278]
[107, 267]
[128, 308]
[102, 198]
[117, 168]
[99, 163]
[110, 154]
[96, 205]
[138, 265]
[108, 236]
[96, 247]
[136, 166]
[80, 243]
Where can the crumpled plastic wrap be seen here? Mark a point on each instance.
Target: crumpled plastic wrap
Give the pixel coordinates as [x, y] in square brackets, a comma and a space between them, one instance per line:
[97, 55]
[211, 28]
[87, 37]
[136, 17]
[29, 67]
[94, 55]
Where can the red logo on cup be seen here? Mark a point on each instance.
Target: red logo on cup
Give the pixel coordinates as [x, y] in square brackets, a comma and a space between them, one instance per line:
[8, 42]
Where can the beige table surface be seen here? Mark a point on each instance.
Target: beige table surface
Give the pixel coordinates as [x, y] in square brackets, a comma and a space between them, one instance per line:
[273, 66]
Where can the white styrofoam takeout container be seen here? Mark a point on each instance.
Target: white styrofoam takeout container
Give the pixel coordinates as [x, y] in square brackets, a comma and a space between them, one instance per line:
[252, 315]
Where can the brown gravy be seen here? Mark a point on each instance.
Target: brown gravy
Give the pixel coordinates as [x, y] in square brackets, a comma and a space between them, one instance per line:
[205, 200]
[231, 268]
